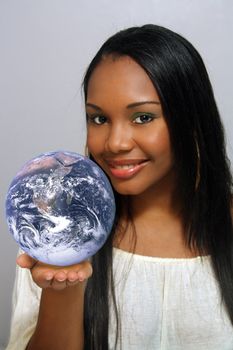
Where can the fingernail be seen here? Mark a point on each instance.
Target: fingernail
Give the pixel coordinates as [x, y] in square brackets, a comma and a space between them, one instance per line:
[60, 279]
[81, 278]
[48, 277]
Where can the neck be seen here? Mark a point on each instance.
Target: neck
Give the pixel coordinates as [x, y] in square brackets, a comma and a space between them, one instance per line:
[156, 228]
[156, 202]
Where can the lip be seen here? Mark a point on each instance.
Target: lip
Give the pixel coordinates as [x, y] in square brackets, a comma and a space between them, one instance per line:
[126, 168]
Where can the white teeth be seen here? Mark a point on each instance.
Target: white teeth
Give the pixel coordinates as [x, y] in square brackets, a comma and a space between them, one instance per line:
[126, 166]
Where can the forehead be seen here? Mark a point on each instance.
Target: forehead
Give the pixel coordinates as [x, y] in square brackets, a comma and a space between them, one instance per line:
[120, 76]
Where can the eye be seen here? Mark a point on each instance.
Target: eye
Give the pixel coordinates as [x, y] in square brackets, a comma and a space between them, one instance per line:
[97, 119]
[143, 118]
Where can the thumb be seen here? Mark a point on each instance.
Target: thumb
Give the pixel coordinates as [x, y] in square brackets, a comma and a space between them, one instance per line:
[25, 261]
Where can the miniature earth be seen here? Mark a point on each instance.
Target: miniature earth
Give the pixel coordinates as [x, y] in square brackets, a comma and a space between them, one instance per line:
[60, 208]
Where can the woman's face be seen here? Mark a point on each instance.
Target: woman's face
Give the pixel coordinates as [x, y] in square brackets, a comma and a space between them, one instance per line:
[126, 131]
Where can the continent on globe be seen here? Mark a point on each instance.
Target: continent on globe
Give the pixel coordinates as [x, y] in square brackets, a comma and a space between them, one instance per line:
[60, 208]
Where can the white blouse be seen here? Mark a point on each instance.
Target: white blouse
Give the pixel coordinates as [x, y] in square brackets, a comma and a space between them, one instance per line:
[164, 304]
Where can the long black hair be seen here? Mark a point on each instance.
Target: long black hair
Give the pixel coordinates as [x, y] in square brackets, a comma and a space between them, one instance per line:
[197, 138]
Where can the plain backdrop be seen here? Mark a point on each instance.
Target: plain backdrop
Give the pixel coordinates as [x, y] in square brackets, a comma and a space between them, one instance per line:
[45, 47]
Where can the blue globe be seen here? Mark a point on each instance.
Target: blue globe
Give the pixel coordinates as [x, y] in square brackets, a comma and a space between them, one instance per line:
[60, 208]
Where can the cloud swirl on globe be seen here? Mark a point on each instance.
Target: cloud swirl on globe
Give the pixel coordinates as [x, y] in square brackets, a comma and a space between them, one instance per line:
[60, 208]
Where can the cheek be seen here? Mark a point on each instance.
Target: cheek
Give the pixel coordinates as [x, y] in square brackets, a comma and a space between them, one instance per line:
[90, 145]
[94, 144]
[158, 142]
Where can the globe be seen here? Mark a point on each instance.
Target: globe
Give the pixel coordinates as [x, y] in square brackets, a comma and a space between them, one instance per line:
[60, 208]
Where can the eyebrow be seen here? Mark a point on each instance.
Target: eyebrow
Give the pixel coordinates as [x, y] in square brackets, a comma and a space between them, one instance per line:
[93, 106]
[135, 104]
[131, 105]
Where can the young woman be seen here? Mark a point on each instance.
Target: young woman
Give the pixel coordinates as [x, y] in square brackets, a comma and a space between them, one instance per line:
[164, 278]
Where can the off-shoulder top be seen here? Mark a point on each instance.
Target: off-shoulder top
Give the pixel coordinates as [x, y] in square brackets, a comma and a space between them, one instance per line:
[163, 304]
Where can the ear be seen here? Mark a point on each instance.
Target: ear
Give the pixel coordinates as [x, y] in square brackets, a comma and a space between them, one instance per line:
[86, 151]
[198, 175]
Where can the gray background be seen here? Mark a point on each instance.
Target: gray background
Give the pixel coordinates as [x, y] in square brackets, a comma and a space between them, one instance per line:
[45, 46]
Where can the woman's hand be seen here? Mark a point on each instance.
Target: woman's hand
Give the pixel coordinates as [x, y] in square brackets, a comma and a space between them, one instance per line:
[56, 277]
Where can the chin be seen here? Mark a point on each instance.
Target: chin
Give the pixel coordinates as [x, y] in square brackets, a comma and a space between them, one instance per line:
[126, 190]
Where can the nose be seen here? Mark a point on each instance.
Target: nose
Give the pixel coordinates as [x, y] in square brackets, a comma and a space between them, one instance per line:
[119, 139]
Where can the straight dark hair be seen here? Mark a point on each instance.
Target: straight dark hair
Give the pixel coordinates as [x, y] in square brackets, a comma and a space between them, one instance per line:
[204, 178]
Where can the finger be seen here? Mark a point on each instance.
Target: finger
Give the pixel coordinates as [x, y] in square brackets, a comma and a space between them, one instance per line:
[59, 281]
[72, 277]
[85, 271]
[42, 278]
[80, 272]
[71, 283]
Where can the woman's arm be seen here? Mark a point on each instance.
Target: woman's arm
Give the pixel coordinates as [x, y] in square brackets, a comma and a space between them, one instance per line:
[60, 319]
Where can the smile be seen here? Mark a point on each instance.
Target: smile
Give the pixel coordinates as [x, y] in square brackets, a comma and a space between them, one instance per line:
[125, 169]
[127, 166]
